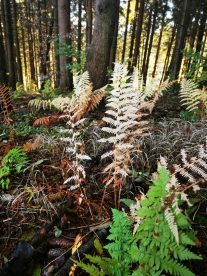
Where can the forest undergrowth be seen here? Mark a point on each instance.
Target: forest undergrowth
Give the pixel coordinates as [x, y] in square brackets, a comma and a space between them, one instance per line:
[62, 192]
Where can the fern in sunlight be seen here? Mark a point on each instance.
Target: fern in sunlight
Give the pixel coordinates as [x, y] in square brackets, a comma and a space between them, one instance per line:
[84, 98]
[192, 96]
[124, 125]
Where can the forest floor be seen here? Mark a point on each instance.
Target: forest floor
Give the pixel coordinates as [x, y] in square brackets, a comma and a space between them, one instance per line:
[41, 220]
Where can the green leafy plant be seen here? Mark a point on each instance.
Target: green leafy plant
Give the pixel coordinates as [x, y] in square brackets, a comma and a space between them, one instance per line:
[197, 70]
[13, 161]
[160, 238]
[191, 116]
[79, 57]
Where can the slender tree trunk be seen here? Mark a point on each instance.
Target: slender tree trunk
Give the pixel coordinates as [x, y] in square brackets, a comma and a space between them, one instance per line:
[155, 8]
[180, 40]
[114, 43]
[3, 78]
[89, 19]
[79, 28]
[138, 33]
[17, 49]
[147, 39]
[99, 52]
[64, 26]
[9, 43]
[159, 40]
[55, 34]
[165, 74]
[126, 30]
[201, 29]
[133, 35]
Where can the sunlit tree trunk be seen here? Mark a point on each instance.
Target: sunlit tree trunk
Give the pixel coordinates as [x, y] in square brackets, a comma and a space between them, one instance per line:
[99, 52]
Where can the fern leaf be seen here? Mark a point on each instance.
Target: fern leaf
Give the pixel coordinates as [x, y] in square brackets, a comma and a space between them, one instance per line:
[89, 268]
[190, 94]
[171, 222]
[184, 254]
[174, 268]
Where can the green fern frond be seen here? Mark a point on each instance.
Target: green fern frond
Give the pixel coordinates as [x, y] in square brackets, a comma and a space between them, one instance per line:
[92, 269]
[184, 253]
[175, 268]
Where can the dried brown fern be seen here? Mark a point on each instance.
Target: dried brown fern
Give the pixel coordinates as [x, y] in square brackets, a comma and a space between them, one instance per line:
[30, 146]
[47, 120]
[87, 99]
[6, 105]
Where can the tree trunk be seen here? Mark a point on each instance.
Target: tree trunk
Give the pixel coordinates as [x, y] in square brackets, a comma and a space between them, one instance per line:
[138, 33]
[159, 40]
[64, 27]
[55, 34]
[147, 39]
[155, 8]
[89, 22]
[17, 49]
[3, 79]
[126, 30]
[9, 43]
[99, 52]
[180, 41]
[79, 29]
[133, 35]
[114, 42]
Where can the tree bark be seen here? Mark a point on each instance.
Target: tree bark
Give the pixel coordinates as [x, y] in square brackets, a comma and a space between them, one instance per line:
[9, 43]
[138, 33]
[64, 27]
[133, 30]
[99, 52]
[126, 30]
[180, 41]
[17, 49]
[89, 22]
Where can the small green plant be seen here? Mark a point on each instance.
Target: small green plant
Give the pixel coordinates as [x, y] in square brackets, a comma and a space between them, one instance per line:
[191, 116]
[13, 161]
[197, 70]
[79, 57]
[159, 241]
[23, 129]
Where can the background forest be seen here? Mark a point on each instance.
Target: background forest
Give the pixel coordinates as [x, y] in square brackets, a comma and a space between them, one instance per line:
[164, 38]
[103, 149]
